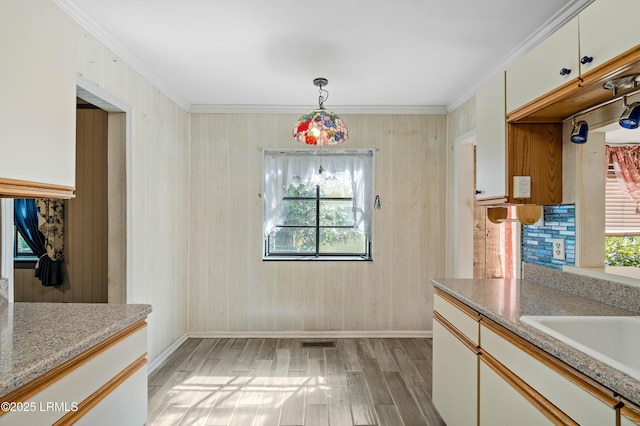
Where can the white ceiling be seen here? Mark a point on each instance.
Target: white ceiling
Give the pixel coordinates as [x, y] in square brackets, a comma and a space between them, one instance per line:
[265, 54]
[621, 135]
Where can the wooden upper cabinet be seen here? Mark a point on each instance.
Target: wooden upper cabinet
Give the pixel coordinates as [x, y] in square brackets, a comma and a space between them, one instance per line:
[491, 160]
[551, 64]
[607, 29]
[37, 101]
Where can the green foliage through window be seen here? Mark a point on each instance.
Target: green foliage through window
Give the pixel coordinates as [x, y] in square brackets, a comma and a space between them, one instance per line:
[317, 219]
[622, 251]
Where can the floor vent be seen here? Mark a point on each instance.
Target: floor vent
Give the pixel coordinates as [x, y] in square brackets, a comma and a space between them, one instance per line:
[319, 344]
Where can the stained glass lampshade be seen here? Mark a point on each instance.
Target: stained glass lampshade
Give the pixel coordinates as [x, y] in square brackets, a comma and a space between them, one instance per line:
[320, 127]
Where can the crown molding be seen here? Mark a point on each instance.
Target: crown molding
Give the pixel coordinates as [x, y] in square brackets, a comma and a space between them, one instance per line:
[568, 12]
[301, 109]
[105, 37]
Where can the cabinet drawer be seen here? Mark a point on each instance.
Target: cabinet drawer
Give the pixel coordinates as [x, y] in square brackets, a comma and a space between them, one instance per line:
[562, 389]
[459, 318]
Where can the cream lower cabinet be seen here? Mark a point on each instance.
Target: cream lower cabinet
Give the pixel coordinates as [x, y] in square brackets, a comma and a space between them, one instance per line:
[543, 385]
[455, 362]
[105, 385]
[483, 374]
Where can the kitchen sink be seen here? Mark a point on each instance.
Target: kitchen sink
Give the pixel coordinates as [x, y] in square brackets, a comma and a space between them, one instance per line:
[614, 341]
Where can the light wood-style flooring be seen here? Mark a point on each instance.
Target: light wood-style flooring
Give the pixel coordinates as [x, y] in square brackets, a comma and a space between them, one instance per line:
[277, 382]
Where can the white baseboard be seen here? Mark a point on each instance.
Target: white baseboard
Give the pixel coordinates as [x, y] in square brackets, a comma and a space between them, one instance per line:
[402, 334]
[160, 359]
[388, 334]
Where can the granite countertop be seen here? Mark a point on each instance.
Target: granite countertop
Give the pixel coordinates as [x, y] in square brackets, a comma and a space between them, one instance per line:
[36, 337]
[504, 301]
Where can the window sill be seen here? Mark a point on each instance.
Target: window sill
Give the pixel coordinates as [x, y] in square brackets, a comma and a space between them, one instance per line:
[319, 258]
[22, 263]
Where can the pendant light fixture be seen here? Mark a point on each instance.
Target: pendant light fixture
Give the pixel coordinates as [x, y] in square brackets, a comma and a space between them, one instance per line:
[320, 127]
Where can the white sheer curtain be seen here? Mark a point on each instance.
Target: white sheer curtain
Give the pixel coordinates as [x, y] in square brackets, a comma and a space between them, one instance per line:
[281, 167]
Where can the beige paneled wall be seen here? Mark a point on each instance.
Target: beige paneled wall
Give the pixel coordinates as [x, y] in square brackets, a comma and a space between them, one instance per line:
[159, 190]
[233, 290]
[462, 119]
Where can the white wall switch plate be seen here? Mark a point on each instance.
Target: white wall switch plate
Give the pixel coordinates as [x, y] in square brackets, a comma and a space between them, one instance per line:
[558, 248]
[522, 187]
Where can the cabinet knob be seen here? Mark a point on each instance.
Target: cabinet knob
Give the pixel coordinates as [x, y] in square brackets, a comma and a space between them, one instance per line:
[478, 192]
[565, 71]
[586, 60]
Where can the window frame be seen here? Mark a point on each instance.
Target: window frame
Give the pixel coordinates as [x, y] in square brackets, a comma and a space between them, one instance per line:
[317, 255]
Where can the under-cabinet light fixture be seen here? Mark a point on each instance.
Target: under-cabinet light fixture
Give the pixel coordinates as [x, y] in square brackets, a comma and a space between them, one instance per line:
[631, 115]
[580, 131]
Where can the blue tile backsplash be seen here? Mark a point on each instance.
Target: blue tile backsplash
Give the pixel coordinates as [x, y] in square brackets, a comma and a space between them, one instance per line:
[537, 241]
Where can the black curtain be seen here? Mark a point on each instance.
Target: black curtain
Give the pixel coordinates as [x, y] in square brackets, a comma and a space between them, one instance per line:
[25, 215]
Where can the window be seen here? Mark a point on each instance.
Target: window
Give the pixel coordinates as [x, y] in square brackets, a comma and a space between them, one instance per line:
[621, 218]
[318, 205]
[22, 249]
[24, 212]
[622, 225]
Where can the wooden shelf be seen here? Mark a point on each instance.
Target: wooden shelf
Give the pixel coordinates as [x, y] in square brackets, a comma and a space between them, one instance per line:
[536, 150]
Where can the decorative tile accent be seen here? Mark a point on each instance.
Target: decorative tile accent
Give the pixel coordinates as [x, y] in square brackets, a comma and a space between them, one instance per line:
[537, 241]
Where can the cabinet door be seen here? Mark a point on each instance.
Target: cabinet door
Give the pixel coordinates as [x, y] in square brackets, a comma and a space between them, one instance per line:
[564, 393]
[607, 29]
[501, 404]
[37, 93]
[539, 71]
[455, 378]
[491, 157]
